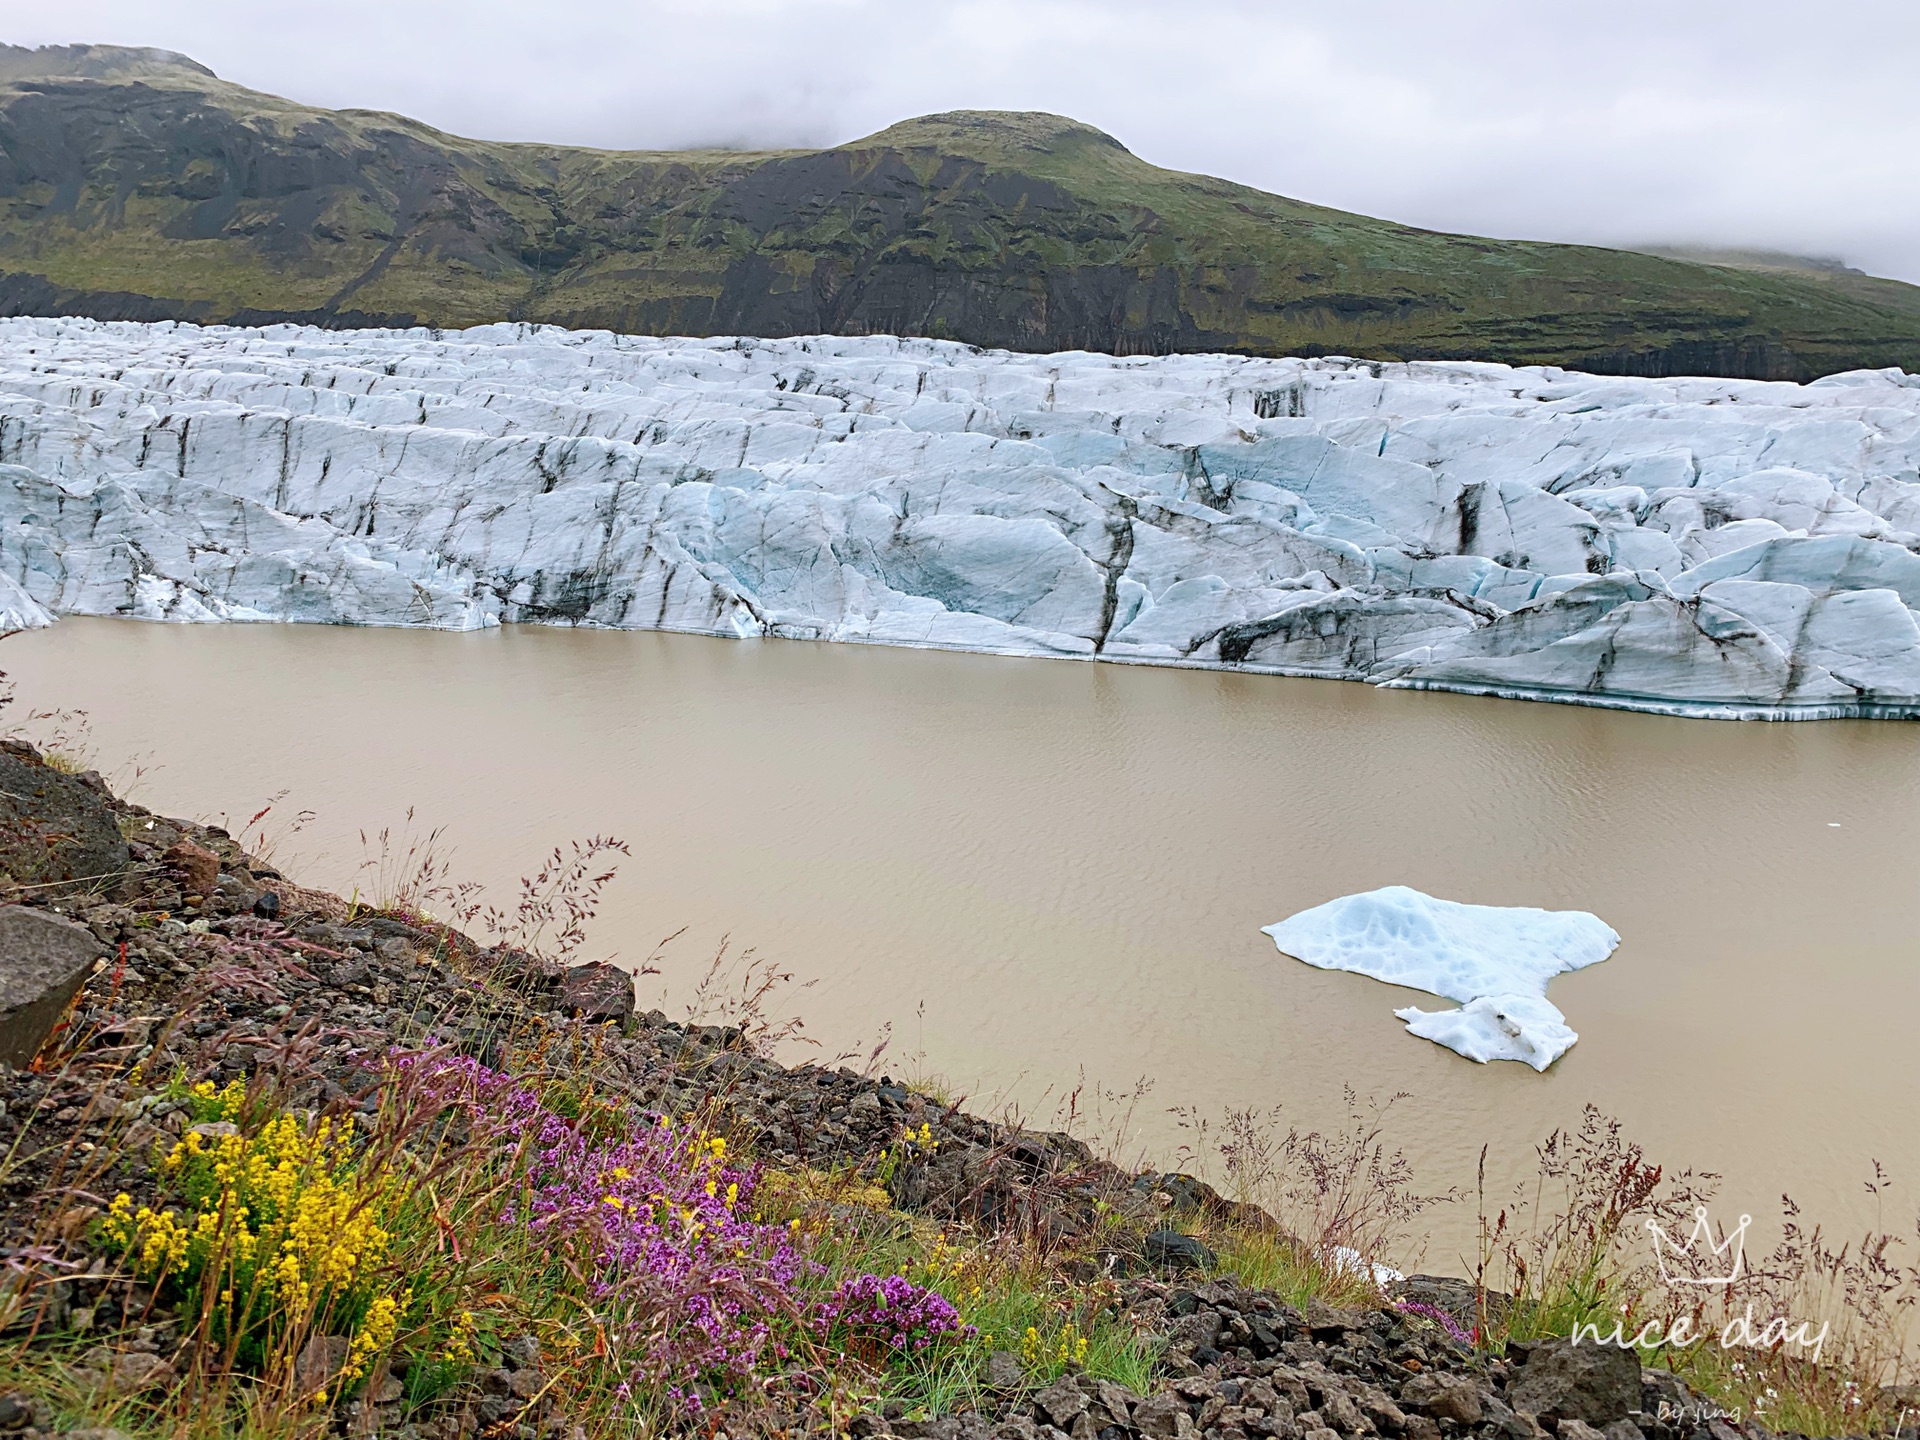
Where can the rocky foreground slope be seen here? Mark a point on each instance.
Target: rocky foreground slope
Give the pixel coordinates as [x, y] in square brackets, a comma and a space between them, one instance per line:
[193, 958]
[1701, 547]
[137, 185]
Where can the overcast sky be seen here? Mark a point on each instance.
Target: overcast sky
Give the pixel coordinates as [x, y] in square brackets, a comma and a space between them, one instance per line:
[1734, 122]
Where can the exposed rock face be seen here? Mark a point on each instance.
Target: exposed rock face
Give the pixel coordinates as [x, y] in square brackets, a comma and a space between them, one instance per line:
[43, 959]
[53, 827]
[1692, 547]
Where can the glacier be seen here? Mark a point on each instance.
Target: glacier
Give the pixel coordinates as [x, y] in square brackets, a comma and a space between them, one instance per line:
[1495, 960]
[1736, 549]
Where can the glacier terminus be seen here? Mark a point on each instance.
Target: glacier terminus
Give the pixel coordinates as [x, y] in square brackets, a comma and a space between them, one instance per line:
[1725, 548]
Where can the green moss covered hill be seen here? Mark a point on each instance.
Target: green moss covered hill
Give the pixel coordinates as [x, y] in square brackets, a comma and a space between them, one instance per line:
[135, 184]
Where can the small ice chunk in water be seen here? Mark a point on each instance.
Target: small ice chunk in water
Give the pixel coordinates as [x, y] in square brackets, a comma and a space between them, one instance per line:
[1495, 960]
[1497, 1027]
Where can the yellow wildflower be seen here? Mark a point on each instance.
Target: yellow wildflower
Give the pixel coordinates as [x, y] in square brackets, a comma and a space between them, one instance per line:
[459, 1349]
[376, 1332]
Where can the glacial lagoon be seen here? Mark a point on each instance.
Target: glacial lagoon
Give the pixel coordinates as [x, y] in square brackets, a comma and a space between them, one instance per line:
[1052, 875]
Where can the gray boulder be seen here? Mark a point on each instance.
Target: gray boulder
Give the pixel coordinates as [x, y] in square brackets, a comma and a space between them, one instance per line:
[319, 1362]
[43, 960]
[1571, 1429]
[136, 1370]
[1171, 1250]
[53, 827]
[1005, 1373]
[1444, 1397]
[1458, 1298]
[1061, 1402]
[1196, 1331]
[1163, 1417]
[1593, 1383]
[1510, 1424]
[598, 991]
[1330, 1323]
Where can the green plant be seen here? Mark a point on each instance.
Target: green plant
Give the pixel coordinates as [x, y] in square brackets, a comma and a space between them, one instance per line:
[276, 1236]
[1011, 1298]
[1829, 1319]
[1269, 1260]
[1347, 1197]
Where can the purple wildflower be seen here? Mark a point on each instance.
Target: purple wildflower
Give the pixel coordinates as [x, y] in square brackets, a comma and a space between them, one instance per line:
[695, 1294]
[1440, 1317]
[871, 1313]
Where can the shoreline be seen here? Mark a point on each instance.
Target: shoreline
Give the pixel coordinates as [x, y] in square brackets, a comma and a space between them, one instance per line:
[796, 803]
[1158, 1246]
[1729, 710]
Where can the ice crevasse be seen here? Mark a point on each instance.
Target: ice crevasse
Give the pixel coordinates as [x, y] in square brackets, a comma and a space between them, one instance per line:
[1495, 961]
[1693, 546]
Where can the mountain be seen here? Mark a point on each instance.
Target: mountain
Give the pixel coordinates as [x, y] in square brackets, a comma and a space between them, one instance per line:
[136, 184]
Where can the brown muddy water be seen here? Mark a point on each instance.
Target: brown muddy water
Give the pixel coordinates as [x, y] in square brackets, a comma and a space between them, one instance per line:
[1038, 869]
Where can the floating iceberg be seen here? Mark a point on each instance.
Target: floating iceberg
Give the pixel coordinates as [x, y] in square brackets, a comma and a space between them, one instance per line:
[1690, 546]
[1496, 961]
